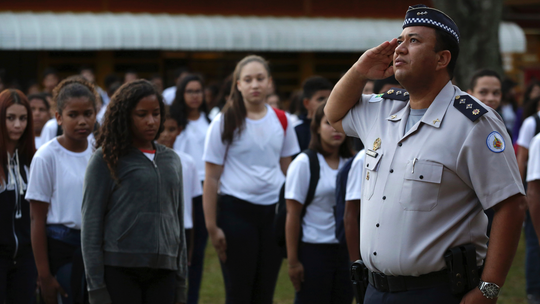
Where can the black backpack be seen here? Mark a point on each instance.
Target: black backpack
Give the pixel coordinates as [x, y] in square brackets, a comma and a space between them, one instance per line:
[341, 191]
[281, 207]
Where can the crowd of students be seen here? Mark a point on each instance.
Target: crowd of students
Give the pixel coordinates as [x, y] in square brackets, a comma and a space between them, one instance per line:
[128, 183]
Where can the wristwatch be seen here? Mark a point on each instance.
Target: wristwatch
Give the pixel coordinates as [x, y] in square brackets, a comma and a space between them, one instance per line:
[489, 290]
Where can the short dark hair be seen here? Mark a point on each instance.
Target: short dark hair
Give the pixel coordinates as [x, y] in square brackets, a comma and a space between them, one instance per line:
[41, 97]
[314, 84]
[380, 83]
[110, 79]
[315, 142]
[50, 71]
[446, 42]
[483, 73]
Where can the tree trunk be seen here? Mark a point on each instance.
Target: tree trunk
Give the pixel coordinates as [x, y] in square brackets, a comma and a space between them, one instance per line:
[478, 22]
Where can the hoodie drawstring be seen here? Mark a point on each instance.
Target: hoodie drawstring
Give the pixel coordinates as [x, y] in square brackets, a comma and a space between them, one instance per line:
[16, 180]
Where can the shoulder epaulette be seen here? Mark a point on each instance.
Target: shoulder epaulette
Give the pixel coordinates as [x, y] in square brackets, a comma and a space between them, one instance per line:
[397, 94]
[469, 107]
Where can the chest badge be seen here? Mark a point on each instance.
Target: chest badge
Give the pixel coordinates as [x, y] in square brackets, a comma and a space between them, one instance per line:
[367, 176]
[376, 144]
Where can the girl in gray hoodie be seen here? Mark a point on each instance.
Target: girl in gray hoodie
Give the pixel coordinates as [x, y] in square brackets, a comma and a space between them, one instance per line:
[133, 239]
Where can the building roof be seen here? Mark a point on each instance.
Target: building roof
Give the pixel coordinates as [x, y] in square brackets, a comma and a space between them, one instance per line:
[127, 31]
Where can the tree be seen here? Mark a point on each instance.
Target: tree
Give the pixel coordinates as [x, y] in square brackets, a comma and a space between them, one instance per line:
[478, 22]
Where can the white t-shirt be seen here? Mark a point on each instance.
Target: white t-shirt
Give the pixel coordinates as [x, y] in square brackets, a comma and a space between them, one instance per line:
[49, 130]
[533, 165]
[354, 179]
[169, 94]
[192, 187]
[251, 168]
[318, 224]
[191, 142]
[39, 141]
[56, 177]
[526, 133]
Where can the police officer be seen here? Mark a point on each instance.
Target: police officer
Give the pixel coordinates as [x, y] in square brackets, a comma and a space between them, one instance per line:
[435, 158]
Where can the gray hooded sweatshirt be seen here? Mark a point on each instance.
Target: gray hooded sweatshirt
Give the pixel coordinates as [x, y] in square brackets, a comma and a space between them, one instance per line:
[136, 223]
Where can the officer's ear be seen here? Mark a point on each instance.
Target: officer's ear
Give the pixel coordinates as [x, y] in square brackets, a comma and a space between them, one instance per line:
[443, 59]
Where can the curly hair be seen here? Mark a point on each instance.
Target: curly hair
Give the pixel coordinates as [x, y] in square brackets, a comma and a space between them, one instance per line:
[115, 138]
[74, 87]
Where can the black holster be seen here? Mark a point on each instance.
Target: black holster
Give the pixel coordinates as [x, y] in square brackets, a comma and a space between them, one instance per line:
[463, 272]
[359, 278]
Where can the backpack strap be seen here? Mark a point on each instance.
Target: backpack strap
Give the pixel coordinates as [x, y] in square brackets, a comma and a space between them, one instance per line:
[282, 118]
[314, 169]
[537, 120]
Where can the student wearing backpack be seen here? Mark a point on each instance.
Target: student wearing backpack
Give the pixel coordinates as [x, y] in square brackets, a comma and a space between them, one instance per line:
[318, 262]
[247, 151]
[352, 205]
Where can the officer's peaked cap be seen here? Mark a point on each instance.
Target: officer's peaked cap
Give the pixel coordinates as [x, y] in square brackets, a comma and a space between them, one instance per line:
[421, 15]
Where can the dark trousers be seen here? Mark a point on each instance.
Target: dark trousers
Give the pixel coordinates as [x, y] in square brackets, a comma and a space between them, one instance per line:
[18, 279]
[253, 257]
[326, 274]
[532, 258]
[200, 239]
[435, 295]
[140, 285]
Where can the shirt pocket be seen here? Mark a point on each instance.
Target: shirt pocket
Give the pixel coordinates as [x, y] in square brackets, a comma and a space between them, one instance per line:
[421, 185]
[371, 170]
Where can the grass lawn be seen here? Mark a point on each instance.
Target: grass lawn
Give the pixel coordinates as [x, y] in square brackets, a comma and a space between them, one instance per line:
[212, 290]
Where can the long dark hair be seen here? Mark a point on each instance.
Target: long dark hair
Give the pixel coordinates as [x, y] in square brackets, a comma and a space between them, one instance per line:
[115, 137]
[530, 106]
[316, 144]
[179, 110]
[234, 112]
[26, 145]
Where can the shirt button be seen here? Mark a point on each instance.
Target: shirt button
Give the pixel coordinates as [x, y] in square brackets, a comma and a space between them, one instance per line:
[375, 253]
[391, 170]
[377, 225]
[367, 165]
[400, 144]
[421, 177]
[384, 197]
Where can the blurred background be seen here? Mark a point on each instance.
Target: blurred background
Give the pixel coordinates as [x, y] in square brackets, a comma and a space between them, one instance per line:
[300, 38]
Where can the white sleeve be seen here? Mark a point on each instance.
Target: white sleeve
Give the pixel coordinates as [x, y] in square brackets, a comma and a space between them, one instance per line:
[41, 180]
[526, 133]
[49, 130]
[358, 119]
[290, 143]
[196, 188]
[354, 180]
[214, 148]
[298, 176]
[533, 165]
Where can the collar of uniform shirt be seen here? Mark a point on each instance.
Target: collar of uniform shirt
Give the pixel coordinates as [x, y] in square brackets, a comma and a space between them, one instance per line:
[436, 111]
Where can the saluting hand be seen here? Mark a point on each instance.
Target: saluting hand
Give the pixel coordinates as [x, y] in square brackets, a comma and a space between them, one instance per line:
[296, 273]
[475, 296]
[375, 62]
[220, 243]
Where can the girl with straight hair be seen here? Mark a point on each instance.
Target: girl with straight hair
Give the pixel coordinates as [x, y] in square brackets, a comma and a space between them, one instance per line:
[133, 237]
[55, 193]
[248, 149]
[318, 263]
[190, 110]
[17, 268]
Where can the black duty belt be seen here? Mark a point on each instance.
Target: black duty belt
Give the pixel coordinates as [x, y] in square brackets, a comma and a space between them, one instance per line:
[385, 283]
